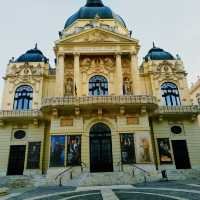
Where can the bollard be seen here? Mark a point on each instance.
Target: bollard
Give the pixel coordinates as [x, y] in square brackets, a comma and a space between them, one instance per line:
[60, 182]
[164, 175]
[71, 175]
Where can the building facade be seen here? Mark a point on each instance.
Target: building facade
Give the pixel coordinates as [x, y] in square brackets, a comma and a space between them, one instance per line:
[195, 92]
[98, 107]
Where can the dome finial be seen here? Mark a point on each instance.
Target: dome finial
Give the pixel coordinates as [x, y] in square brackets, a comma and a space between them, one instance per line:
[36, 45]
[154, 46]
[94, 3]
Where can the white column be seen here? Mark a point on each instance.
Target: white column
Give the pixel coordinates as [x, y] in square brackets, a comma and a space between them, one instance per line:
[119, 74]
[60, 73]
[137, 87]
[76, 74]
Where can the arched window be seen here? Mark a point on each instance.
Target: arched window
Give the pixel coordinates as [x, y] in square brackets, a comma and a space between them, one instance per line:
[23, 98]
[98, 86]
[170, 94]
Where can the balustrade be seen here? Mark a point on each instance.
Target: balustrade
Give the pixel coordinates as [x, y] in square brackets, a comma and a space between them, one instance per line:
[19, 114]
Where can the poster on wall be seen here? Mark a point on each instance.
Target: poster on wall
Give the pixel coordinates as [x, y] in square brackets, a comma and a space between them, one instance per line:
[142, 142]
[127, 148]
[57, 154]
[33, 161]
[164, 151]
[74, 150]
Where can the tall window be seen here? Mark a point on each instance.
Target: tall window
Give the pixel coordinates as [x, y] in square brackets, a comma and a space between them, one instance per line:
[198, 98]
[23, 98]
[170, 94]
[98, 86]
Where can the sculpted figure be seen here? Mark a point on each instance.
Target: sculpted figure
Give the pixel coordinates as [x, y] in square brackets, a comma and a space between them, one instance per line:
[69, 87]
[127, 87]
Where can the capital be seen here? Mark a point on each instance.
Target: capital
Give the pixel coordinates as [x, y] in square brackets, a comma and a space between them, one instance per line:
[76, 53]
[118, 53]
[132, 53]
[61, 55]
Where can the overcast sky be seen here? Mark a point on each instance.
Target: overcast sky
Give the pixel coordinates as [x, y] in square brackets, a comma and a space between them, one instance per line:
[173, 24]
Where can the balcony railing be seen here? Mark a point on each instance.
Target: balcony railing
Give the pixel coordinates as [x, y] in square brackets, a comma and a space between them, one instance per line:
[98, 100]
[178, 110]
[20, 114]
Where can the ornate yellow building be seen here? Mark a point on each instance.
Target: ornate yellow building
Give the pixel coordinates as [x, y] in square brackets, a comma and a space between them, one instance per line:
[99, 108]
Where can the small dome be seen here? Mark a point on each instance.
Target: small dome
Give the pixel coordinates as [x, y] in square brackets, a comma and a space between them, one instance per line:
[158, 54]
[32, 55]
[91, 10]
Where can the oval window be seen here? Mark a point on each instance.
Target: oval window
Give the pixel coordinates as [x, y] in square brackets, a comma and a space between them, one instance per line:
[19, 134]
[176, 129]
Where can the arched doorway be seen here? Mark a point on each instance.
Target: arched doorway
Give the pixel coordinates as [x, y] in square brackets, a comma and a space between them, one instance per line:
[101, 148]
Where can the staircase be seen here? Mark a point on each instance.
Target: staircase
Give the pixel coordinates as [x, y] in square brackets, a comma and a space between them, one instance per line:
[102, 179]
[76, 178]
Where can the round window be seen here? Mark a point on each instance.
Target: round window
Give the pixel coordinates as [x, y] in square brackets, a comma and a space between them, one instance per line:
[19, 134]
[176, 129]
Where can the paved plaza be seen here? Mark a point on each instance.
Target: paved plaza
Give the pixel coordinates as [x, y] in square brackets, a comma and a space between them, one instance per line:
[170, 190]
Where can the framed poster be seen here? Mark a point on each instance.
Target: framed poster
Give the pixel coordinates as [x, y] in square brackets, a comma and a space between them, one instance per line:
[33, 160]
[127, 148]
[57, 154]
[143, 148]
[164, 151]
[74, 150]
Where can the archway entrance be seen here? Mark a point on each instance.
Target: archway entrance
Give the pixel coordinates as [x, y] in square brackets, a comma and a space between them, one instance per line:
[101, 148]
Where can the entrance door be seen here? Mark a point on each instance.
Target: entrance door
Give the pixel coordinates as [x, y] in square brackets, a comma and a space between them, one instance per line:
[100, 149]
[181, 156]
[16, 160]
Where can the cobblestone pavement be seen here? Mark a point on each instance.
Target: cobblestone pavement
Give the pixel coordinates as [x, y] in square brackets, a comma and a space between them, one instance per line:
[170, 190]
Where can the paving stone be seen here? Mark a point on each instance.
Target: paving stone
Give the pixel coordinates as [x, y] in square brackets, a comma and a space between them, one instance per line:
[108, 194]
[151, 191]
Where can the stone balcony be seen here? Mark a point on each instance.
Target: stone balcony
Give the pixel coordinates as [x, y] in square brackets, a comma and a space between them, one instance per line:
[183, 111]
[18, 115]
[148, 102]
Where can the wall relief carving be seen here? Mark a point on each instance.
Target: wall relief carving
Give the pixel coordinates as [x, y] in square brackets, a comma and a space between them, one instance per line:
[97, 36]
[165, 67]
[97, 63]
[126, 67]
[25, 70]
[69, 67]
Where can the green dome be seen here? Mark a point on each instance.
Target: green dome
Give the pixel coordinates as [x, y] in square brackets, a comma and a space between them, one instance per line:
[92, 9]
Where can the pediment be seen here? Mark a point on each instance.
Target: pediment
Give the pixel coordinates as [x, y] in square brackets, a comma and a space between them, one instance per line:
[97, 35]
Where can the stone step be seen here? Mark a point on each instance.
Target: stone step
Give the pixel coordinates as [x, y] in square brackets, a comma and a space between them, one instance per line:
[3, 191]
[175, 175]
[109, 178]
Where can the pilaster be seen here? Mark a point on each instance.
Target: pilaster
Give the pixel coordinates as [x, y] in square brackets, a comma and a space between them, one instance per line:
[60, 73]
